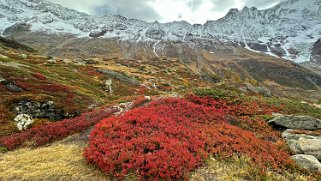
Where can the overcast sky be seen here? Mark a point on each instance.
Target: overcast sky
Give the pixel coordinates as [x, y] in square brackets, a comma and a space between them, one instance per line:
[193, 11]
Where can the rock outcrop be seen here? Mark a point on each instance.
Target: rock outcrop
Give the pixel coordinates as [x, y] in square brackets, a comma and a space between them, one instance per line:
[36, 109]
[296, 122]
[96, 34]
[23, 121]
[256, 89]
[119, 76]
[16, 28]
[11, 86]
[303, 138]
[307, 162]
[13, 44]
[303, 143]
[316, 52]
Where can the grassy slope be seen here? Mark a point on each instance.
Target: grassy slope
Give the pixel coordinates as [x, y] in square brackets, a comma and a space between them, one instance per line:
[60, 161]
[74, 86]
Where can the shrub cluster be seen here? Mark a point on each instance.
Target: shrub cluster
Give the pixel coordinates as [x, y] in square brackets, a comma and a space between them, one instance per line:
[173, 136]
[49, 132]
[54, 131]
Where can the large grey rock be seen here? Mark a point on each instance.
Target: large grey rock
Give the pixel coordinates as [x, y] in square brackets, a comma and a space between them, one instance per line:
[316, 52]
[45, 110]
[23, 121]
[119, 76]
[258, 47]
[256, 89]
[296, 122]
[11, 86]
[311, 147]
[98, 33]
[18, 27]
[303, 143]
[307, 162]
[278, 50]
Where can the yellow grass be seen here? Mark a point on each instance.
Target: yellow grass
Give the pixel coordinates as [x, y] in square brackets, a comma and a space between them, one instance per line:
[56, 162]
[64, 161]
[239, 169]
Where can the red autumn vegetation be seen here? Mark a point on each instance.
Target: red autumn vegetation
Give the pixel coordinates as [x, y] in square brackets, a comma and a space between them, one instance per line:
[91, 71]
[49, 87]
[54, 131]
[39, 76]
[173, 136]
[49, 132]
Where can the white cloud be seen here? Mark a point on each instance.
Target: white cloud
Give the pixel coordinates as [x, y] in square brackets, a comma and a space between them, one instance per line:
[193, 11]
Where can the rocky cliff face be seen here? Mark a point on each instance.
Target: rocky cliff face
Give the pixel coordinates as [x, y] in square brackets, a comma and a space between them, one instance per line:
[286, 30]
[316, 52]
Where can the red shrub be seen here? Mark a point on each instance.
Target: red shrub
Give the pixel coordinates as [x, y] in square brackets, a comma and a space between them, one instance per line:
[39, 76]
[54, 131]
[91, 71]
[170, 137]
[53, 88]
[24, 85]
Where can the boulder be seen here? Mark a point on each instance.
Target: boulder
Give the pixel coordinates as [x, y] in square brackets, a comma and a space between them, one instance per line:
[45, 110]
[278, 50]
[311, 147]
[316, 52]
[23, 121]
[119, 76]
[11, 86]
[303, 143]
[257, 89]
[96, 34]
[16, 28]
[258, 47]
[296, 122]
[307, 162]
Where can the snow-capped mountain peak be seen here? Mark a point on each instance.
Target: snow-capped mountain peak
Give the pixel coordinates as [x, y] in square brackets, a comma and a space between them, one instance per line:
[288, 29]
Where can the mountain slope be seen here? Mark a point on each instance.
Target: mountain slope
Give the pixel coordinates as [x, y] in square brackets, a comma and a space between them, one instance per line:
[288, 29]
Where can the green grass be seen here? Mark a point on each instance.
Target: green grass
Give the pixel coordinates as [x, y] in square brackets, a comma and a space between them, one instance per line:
[219, 94]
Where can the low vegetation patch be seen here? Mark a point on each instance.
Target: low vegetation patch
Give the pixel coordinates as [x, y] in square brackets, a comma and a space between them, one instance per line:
[57, 162]
[171, 137]
[50, 132]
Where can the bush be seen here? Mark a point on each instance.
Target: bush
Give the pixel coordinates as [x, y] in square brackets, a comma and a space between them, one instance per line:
[219, 94]
[173, 136]
[54, 131]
